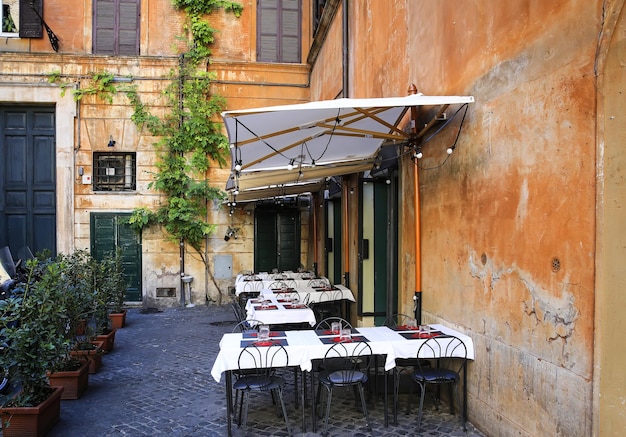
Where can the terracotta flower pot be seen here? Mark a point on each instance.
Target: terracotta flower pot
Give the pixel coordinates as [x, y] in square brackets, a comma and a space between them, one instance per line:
[32, 421]
[93, 356]
[74, 382]
[107, 339]
[118, 320]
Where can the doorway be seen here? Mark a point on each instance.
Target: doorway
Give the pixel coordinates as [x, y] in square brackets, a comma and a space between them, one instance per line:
[28, 178]
[110, 232]
[378, 249]
[277, 239]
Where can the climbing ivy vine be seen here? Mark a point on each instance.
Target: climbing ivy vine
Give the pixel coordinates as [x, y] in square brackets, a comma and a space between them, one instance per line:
[190, 133]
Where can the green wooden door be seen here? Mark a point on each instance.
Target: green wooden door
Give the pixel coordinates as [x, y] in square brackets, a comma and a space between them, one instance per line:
[110, 231]
[28, 178]
[276, 239]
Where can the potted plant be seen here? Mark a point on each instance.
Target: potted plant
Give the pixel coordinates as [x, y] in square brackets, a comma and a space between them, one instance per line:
[104, 289]
[117, 292]
[33, 324]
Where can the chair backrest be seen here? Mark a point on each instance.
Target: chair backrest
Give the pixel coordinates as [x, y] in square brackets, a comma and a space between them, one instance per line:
[278, 285]
[318, 283]
[443, 348]
[347, 362]
[262, 360]
[396, 320]
[237, 310]
[328, 321]
[248, 325]
[252, 285]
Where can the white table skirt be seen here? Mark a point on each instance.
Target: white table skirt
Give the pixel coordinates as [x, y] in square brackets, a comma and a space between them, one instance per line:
[281, 315]
[305, 346]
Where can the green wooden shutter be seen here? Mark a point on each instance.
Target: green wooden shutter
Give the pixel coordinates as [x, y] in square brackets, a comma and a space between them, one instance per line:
[30, 23]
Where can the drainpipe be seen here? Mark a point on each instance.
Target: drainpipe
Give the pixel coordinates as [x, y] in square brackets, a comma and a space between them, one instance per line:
[345, 58]
[417, 296]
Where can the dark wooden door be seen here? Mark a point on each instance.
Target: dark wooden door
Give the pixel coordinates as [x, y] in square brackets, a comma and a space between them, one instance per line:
[277, 239]
[111, 231]
[28, 178]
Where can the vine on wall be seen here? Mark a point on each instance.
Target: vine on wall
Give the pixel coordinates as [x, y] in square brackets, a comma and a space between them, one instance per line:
[190, 133]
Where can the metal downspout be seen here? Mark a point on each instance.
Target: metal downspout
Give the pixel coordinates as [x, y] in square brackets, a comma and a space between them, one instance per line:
[345, 58]
[417, 297]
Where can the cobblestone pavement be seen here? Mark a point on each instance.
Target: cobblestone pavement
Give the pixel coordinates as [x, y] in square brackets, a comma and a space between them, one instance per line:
[157, 382]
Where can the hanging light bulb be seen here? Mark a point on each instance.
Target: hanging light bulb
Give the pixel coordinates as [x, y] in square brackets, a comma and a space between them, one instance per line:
[418, 154]
[450, 150]
[290, 165]
[313, 163]
[238, 166]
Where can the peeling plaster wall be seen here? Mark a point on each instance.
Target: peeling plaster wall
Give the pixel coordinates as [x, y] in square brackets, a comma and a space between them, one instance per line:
[508, 220]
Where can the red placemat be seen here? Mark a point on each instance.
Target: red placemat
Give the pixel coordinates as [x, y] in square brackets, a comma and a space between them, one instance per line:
[405, 328]
[337, 339]
[270, 307]
[329, 332]
[421, 335]
[272, 342]
[299, 306]
[254, 334]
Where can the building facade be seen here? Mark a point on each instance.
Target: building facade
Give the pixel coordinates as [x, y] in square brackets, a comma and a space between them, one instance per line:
[519, 228]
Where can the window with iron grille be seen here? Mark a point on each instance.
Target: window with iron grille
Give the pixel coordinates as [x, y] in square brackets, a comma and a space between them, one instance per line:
[114, 171]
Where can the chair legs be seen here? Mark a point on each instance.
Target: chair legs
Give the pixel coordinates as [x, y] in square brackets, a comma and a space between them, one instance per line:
[453, 396]
[329, 396]
[245, 399]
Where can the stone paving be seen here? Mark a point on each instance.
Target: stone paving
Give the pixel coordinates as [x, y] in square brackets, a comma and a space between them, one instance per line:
[157, 382]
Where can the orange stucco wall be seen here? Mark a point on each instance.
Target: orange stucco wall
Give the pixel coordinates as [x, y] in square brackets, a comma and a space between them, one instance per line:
[508, 221]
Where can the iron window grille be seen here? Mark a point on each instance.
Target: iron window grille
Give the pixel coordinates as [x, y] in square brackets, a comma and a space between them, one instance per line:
[115, 171]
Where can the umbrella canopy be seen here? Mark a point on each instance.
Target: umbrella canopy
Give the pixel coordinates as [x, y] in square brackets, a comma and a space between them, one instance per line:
[282, 148]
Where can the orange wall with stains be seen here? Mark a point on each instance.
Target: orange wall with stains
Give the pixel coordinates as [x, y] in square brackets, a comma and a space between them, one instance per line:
[508, 222]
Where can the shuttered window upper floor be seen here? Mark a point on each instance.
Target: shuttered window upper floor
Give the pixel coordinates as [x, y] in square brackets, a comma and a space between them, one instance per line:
[279, 31]
[116, 27]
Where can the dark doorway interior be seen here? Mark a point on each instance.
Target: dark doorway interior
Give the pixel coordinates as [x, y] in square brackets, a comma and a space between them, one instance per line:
[277, 238]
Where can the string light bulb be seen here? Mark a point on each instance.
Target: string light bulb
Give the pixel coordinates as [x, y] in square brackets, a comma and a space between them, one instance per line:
[238, 166]
[290, 165]
[450, 150]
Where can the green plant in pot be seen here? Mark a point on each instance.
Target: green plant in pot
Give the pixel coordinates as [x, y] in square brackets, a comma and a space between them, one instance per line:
[103, 289]
[116, 289]
[33, 327]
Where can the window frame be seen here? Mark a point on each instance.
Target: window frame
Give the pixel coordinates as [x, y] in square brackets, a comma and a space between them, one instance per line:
[15, 34]
[114, 178]
[264, 12]
[119, 30]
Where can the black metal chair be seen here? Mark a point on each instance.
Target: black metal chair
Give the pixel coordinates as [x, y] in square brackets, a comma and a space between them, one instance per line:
[449, 355]
[403, 365]
[345, 365]
[257, 366]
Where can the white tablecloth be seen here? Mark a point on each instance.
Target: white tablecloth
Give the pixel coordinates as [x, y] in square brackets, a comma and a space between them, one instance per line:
[257, 282]
[305, 346]
[313, 295]
[282, 314]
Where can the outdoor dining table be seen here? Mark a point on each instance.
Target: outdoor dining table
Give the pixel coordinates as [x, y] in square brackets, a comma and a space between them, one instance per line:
[315, 294]
[255, 283]
[277, 310]
[307, 345]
